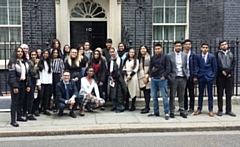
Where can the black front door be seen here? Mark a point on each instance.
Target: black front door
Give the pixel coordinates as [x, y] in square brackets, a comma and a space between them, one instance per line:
[94, 32]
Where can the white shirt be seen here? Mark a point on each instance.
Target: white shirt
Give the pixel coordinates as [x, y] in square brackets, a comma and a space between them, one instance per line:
[45, 77]
[188, 56]
[87, 88]
[178, 58]
[205, 57]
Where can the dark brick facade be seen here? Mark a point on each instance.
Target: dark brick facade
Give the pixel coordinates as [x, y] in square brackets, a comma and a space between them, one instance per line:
[48, 23]
[128, 21]
[206, 19]
[231, 19]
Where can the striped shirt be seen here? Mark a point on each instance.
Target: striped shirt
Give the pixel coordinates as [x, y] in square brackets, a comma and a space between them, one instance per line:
[57, 66]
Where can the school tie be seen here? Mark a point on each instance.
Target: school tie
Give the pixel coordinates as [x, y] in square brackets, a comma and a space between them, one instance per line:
[67, 93]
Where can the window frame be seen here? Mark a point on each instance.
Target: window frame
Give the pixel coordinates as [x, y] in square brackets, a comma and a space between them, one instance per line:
[8, 25]
[164, 24]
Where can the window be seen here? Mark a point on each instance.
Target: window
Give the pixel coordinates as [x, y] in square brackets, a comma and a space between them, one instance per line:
[88, 9]
[170, 21]
[10, 26]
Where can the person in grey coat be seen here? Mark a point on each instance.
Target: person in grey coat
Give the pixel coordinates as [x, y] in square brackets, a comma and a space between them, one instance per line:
[178, 78]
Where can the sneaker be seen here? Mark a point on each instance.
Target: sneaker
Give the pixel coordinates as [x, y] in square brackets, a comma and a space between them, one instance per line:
[166, 116]
[31, 117]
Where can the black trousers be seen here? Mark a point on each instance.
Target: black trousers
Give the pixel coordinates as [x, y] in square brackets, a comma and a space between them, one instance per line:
[189, 89]
[29, 98]
[147, 97]
[17, 101]
[224, 83]
[56, 79]
[36, 102]
[43, 98]
[62, 106]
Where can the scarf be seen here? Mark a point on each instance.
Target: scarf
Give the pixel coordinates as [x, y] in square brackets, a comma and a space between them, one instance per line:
[116, 59]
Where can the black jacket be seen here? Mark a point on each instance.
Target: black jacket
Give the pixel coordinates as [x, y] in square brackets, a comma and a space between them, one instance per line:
[102, 71]
[160, 65]
[225, 62]
[14, 76]
[61, 92]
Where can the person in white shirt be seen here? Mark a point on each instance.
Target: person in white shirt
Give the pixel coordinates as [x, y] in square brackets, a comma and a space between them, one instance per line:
[45, 72]
[87, 89]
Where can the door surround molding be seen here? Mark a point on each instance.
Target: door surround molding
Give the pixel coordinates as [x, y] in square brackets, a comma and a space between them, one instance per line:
[113, 17]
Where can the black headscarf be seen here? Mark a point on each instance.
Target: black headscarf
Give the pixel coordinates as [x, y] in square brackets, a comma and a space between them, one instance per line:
[121, 53]
[94, 60]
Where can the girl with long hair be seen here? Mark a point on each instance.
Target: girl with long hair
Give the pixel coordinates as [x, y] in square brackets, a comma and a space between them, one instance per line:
[57, 69]
[45, 71]
[56, 44]
[82, 58]
[19, 82]
[66, 51]
[73, 64]
[35, 81]
[86, 91]
[100, 71]
[143, 80]
[130, 69]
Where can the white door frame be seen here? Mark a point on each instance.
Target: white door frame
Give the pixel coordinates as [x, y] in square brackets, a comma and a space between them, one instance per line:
[113, 18]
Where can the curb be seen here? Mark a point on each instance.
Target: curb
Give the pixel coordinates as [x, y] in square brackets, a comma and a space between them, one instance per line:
[117, 130]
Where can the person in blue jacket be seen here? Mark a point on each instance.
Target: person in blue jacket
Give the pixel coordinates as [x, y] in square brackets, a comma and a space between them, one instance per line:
[205, 72]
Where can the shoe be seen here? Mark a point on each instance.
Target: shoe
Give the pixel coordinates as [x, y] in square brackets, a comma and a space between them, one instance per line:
[21, 119]
[197, 112]
[183, 115]
[60, 113]
[36, 113]
[166, 116]
[55, 110]
[14, 124]
[102, 108]
[72, 114]
[81, 113]
[126, 108]
[154, 114]
[113, 109]
[211, 114]
[133, 108]
[24, 114]
[231, 114]
[190, 111]
[219, 113]
[145, 111]
[47, 113]
[172, 115]
[31, 117]
[120, 111]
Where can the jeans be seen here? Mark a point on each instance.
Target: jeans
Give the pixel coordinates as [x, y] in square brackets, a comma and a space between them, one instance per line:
[121, 107]
[161, 85]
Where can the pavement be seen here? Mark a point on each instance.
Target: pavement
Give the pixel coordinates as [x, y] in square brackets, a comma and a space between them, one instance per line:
[99, 122]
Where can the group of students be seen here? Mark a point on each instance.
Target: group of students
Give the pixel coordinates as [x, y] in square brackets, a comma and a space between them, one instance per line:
[87, 78]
